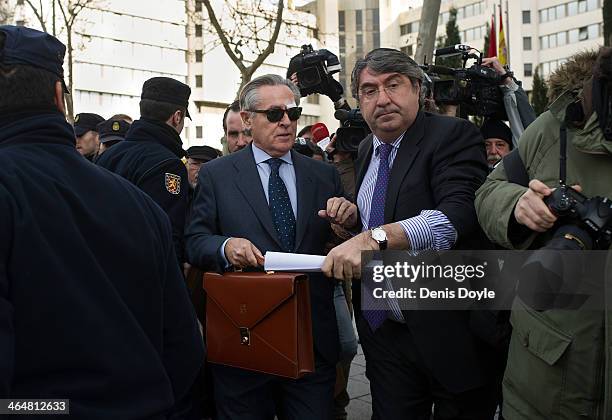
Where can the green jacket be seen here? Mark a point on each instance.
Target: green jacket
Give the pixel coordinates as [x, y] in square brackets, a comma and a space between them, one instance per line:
[559, 361]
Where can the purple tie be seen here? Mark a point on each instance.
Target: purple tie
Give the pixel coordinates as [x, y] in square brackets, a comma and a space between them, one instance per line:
[376, 317]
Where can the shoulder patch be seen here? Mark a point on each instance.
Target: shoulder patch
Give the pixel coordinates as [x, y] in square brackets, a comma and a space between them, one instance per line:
[173, 183]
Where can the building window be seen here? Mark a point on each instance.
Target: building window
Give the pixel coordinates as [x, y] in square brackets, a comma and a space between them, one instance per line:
[376, 40]
[342, 44]
[561, 39]
[592, 5]
[358, 20]
[543, 15]
[583, 33]
[528, 69]
[582, 6]
[560, 10]
[375, 20]
[198, 31]
[527, 43]
[199, 132]
[198, 5]
[19, 2]
[359, 45]
[313, 99]
[526, 16]
[341, 20]
[198, 56]
[199, 81]
[408, 50]
[593, 31]
[572, 8]
[573, 36]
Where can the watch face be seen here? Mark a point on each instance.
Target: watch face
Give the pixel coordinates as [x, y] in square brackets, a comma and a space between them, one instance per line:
[379, 235]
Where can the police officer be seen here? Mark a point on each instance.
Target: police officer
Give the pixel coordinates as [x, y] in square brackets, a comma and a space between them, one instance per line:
[150, 156]
[87, 136]
[196, 157]
[111, 132]
[92, 309]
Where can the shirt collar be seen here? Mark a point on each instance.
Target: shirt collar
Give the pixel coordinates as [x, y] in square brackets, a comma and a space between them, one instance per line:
[261, 156]
[377, 142]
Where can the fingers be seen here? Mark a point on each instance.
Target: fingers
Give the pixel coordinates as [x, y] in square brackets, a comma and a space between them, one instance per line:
[333, 204]
[531, 211]
[577, 188]
[539, 187]
[242, 253]
[328, 265]
[338, 210]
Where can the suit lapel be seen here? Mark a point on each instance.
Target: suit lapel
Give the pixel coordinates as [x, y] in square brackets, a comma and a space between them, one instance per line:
[249, 184]
[408, 151]
[362, 163]
[305, 195]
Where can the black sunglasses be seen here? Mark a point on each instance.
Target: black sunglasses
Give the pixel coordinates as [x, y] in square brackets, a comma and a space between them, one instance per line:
[277, 114]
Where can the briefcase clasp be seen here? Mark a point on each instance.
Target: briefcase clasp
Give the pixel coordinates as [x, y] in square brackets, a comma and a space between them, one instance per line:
[245, 336]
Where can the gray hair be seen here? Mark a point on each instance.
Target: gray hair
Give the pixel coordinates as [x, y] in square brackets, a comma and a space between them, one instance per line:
[386, 60]
[249, 95]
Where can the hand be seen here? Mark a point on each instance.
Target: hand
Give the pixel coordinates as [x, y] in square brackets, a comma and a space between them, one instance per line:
[344, 261]
[242, 253]
[340, 211]
[294, 78]
[531, 211]
[494, 63]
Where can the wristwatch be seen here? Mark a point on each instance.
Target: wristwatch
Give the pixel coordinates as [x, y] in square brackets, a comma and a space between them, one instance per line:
[380, 236]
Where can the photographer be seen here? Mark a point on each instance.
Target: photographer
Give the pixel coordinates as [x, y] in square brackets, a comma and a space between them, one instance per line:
[519, 111]
[555, 360]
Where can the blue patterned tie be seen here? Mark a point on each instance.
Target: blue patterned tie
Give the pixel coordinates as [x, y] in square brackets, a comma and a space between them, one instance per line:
[280, 207]
[376, 317]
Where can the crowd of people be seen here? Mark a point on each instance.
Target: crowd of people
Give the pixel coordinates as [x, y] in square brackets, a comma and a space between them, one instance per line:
[108, 225]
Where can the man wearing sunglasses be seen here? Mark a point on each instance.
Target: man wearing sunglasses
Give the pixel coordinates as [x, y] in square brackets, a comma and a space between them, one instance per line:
[267, 197]
[417, 174]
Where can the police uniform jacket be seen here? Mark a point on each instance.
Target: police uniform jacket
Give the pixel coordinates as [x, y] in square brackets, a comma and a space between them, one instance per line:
[93, 307]
[150, 158]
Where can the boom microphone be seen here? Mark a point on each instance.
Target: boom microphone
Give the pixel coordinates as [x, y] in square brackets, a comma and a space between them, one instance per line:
[453, 49]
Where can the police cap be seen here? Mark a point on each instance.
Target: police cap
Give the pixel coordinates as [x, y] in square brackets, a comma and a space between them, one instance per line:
[165, 89]
[85, 122]
[203, 153]
[34, 48]
[112, 130]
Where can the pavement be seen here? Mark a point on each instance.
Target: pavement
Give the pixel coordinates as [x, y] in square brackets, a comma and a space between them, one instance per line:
[360, 407]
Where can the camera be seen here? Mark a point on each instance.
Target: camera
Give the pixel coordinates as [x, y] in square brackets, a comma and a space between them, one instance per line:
[352, 131]
[591, 216]
[475, 88]
[314, 70]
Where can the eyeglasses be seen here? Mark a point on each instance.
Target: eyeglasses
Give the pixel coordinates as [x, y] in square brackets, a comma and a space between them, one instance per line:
[277, 114]
[391, 88]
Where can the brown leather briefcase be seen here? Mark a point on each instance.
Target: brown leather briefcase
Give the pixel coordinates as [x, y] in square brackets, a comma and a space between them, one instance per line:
[260, 322]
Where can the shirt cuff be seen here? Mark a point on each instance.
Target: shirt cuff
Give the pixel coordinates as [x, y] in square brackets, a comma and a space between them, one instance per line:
[226, 263]
[431, 229]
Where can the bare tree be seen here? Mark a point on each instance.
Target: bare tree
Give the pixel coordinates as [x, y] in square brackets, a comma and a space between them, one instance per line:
[69, 11]
[427, 31]
[250, 34]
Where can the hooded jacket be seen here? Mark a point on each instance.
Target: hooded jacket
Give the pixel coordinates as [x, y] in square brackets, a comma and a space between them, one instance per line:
[559, 361]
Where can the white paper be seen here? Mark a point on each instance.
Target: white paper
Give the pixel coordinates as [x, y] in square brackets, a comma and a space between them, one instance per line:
[284, 261]
[324, 143]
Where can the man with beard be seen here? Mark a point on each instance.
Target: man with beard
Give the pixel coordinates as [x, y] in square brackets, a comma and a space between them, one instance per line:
[498, 141]
[236, 135]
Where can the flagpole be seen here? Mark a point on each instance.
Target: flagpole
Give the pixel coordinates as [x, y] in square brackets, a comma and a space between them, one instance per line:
[507, 36]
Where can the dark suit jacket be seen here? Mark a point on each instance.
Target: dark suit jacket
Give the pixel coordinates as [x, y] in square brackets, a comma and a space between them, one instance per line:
[440, 164]
[230, 202]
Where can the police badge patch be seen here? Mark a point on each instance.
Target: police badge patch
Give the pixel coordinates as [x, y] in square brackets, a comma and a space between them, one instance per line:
[173, 183]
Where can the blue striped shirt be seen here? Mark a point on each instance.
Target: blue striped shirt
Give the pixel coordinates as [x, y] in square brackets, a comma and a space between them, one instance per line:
[430, 229]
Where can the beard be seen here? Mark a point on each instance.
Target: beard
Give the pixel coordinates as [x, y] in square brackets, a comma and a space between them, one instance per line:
[492, 160]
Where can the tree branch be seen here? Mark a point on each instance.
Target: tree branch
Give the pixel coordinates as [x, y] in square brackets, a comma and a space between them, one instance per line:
[270, 48]
[224, 41]
[38, 15]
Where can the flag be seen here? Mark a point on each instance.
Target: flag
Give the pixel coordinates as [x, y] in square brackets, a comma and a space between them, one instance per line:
[492, 47]
[502, 53]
